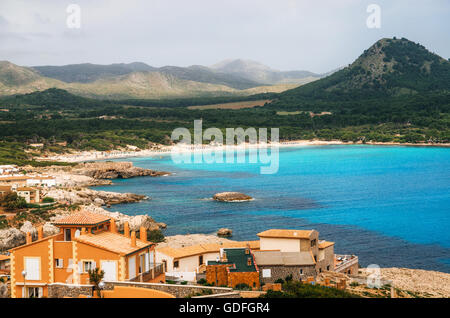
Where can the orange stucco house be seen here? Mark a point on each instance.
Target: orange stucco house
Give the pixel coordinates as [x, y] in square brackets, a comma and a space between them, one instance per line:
[86, 241]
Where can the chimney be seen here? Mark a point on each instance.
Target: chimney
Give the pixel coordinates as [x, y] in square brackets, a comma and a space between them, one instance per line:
[29, 239]
[133, 239]
[143, 234]
[40, 232]
[126, 229]
[112, 227]
[83, 230]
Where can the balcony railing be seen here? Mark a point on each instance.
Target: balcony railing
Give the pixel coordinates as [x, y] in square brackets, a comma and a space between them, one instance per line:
[155, 271]
[345, 261]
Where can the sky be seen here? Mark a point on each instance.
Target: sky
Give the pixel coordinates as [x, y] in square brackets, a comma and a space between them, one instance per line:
[314, 35]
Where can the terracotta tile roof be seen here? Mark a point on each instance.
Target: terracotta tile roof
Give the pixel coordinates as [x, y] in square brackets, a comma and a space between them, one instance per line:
[82, 218]
[4, 257]
[113, 242]
[25, 189]
[291, 234]
[198, 249]
[325, 244]
[5, 188]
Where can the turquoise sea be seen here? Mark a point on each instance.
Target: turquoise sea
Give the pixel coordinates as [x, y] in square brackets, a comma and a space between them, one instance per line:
[389, 205]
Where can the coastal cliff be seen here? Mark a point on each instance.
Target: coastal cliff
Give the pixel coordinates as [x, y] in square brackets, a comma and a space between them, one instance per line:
[114, 170]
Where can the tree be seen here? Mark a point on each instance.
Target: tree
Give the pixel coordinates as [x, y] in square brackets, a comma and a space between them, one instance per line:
[95, 277]
[155, 236]
[13, 202]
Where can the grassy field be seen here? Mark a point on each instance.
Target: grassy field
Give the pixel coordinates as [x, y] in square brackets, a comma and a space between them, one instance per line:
[237, 105]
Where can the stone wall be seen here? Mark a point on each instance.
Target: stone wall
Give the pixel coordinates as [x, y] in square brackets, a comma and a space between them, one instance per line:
[58, 290]
[282, 271]
[179, 291]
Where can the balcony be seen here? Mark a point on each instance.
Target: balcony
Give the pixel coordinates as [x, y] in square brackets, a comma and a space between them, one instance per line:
[343, 262]
[155, 271]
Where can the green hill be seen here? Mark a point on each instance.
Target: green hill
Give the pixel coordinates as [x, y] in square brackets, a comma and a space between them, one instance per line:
[389, 68]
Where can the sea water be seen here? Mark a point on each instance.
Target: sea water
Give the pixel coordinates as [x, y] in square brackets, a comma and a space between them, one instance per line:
[388, 205]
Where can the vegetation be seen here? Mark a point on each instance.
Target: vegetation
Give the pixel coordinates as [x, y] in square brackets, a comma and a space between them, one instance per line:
[293, 289]
[48, 200]
[155, 236]
[11, 201]
[396, 91]
[95, 277]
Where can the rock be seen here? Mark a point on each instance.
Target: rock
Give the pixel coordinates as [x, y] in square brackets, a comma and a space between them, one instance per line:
[89, 196]
[135, 222]
[224, 232]
[232, 197]
[114, 170]
[50, 229]
[28, 227]
[11, 238]
[99, 202]
[162, 225]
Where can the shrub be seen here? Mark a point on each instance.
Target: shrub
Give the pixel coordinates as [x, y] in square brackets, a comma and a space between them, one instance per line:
[279, 281]
[298, 290]
[155, 236]
[48, 200]
[202, 281]
[242, 286]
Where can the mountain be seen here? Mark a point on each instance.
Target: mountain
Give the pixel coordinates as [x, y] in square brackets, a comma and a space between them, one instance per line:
[88, 73]
[389, 68]
[263, 74]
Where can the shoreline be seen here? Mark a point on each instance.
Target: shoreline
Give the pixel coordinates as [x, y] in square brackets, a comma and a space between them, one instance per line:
[94, 155]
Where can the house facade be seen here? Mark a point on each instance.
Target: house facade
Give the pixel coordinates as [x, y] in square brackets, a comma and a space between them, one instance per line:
[86, 241]
[187, 262]
[236, 266]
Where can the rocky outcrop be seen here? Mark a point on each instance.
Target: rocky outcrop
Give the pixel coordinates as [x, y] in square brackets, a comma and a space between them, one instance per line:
[28, 227]
[135, 221]
[49, 229]
[232, 197]
[224, 232]
[178, 241]
[88, 196]
[11, 238]
[114, 170]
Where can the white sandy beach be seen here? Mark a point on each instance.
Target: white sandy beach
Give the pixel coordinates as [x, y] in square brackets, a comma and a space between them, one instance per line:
[167, 150]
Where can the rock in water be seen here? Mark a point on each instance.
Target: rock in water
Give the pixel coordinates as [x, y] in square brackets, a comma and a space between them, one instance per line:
[232, 197]
[224, 232]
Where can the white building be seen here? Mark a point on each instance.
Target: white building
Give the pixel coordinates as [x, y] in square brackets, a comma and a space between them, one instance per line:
[41, 181]
[8, 169]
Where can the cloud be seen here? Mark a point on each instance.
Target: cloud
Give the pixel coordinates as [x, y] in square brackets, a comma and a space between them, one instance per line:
[284, 34]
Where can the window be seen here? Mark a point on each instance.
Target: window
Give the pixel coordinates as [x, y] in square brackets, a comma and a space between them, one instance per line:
[59, 263]
[33, 268]
[34, 292]
[87, 266]
[67, 235]
[328, 267]
[200, 260]
[176, 264]
[249, 261]
[313, 242]
[301, 271]
[267, 273]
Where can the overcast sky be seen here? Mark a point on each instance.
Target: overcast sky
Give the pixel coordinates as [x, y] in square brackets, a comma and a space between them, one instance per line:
[315, 35]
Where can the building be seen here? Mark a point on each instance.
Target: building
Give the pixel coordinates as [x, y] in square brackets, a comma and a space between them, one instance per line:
[300, 241]
[86, 241]
[5, 266]
[275, 265]
[8, 169]
[4, 190]
[236, 266]
[14, 181]
[30, 195]
[187, 262]
[41, 181]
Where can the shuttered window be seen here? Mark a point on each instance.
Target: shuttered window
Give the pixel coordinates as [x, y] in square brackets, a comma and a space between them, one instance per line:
[33, 268]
